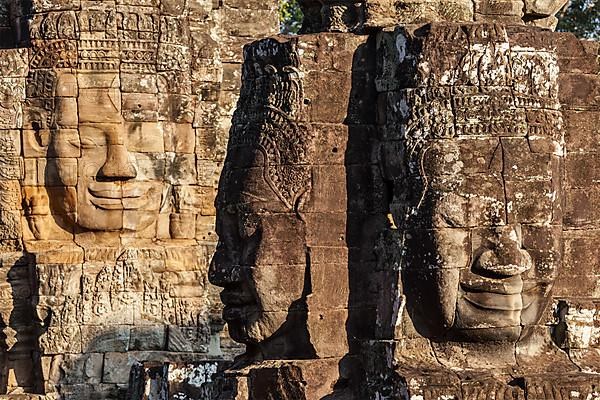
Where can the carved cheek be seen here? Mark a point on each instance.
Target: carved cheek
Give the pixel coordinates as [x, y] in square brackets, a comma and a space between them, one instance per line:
[90, 163]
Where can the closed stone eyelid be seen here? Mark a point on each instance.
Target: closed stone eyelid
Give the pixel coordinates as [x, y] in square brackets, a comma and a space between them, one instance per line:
[88, 143]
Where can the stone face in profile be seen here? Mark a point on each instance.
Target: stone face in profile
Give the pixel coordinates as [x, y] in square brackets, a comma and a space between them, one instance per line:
[284, 213]
[113, 119]
[343, 16]
[262, 237]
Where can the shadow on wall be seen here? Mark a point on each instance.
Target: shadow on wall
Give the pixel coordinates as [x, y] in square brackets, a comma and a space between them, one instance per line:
[366, 216]
[14, 31]
[20, 357]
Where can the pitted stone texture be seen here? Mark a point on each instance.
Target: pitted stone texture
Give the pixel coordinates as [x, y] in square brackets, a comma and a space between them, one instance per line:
[446, 89]
[348, 16]
[286, 217]
[113, 124]
[473, 146]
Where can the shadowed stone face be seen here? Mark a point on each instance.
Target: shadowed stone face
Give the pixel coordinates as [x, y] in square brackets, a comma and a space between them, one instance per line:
[281, 213]
[476, 188]
[261, 249]
[480, 242]
[260, 260]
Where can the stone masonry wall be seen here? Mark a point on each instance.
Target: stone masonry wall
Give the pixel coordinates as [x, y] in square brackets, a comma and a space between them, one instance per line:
[576, 304]
[114, 118]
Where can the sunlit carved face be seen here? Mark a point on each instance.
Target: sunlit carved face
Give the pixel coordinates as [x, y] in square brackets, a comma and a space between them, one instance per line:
[260, 260]
[113, 191]
[479, 218]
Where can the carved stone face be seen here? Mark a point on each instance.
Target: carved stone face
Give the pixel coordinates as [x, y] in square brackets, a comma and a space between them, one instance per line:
[281, 216]
[474, 159]
[480, 224]
[260, 258]
[109, 195]
[95, 160]
[481, 249]
[112, 193]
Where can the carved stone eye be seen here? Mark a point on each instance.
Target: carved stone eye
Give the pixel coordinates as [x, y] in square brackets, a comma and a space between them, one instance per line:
[248, 226]
[88, 143]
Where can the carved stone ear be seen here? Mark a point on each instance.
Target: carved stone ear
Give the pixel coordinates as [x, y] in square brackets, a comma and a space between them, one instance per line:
[301, 199]
[36, 207]
[35, 142]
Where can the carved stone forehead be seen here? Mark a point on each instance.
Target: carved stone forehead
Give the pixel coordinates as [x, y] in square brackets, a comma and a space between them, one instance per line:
[472, 82]
[266, 132]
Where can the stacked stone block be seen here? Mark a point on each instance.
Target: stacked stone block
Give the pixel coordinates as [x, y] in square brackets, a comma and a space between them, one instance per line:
[576, 302]
[490, 213]
[370, 15]
[114, 120]
[299, 192]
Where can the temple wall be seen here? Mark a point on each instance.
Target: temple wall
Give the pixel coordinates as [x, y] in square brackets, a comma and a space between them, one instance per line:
[121, 109]
[114, 123]
[578, 284]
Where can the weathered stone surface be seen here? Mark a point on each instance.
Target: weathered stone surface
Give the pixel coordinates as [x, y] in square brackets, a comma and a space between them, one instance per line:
[106, 193]
[474, 251]
[411, 211]
[348, 16]
[282, 204]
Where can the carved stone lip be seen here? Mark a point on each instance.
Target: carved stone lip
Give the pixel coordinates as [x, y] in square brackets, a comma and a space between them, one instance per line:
[531, 294]
[494, 301]
[236, 302]
[238, 312]
[106, 193]
[134, 192]
[117, 192]
[233, 313]
[106, 203]
[478, 284]
[117, 198]
[236, 298]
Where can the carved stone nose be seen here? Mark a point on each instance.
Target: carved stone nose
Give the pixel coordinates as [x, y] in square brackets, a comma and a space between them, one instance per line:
[224, 269]
[504, 255]
[118, 165]
[506, 259]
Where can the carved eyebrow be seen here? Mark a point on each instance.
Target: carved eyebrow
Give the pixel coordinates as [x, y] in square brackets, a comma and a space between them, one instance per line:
[253, 196]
